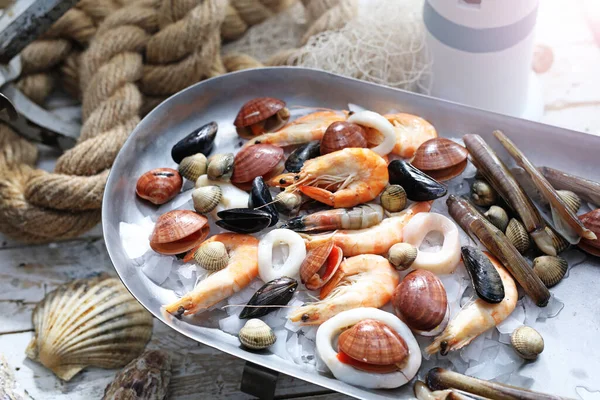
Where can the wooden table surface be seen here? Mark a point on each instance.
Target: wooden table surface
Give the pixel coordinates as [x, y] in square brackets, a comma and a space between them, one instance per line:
[572, 100]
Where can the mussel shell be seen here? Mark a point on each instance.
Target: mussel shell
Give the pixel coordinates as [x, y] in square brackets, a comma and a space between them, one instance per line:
[159, 185]
[256, 160]
[244, 220]
[591, 220]
[178, 231]
[257, 110]
[341, 135]
[296, 159]
[199, 141]
[260, 197]
[484, 277]
[276, 292]
[418, 185]
[441, 158]
[373, 342]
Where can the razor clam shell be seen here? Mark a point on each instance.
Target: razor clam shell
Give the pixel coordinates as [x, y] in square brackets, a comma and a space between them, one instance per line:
[587, 189]
[484, 277]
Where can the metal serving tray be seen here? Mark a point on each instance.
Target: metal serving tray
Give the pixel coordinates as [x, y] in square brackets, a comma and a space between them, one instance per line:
[572, 355]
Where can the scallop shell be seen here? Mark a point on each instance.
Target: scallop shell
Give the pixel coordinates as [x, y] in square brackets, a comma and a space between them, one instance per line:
[192, 167]
[264, 160]
[260, 115]
[145, 378]
[212, 256]
[373, 342]
[206, 198]
[498, 217]
[88, 322]
[441, 158]
[483, 194]
[572, 201]
[527, 342]
[220, 167]
[256, 335]
[402, 255]
[393, 198]
[517, 235]
[326, 254]
[340, 135]
[591, 220]
[550, 269]
[178, 231]
[559, 242]
[159, 185]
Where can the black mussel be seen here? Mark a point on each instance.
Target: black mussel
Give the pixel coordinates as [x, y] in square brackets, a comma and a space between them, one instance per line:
[277, 292]
[418, 185]
[199, 141]
[260, 198]
[484, 277]
[244, 220]
[297, 158]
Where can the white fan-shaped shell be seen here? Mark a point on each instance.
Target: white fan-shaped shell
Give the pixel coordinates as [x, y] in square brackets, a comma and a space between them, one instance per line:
[88, 322]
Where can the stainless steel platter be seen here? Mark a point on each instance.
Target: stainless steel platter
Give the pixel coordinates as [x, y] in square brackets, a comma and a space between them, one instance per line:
[571, 360]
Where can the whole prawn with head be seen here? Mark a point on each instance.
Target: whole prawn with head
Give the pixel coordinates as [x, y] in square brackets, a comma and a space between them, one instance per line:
[343, 178]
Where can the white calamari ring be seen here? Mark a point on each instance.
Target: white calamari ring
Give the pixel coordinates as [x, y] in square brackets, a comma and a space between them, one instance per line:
[331, 328]
[291, 266]
[439, 262]
[377, 121]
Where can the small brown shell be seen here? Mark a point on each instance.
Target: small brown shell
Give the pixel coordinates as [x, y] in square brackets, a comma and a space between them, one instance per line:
[178, 231]
[550, 269]
[159, 185]
[572, 201]
[288, 203]
[527, 342]
[342, 134]
[212, 256]
[206, 198]
[393, 198]
[517, 235]
[559, 242]
[256, 335]
[260, 115]
[483, 194]
[441, 158]
[498, 217]
[263, 160]
[591, 220]
[402, 255]
[420, 301]
[373, 342]
[220, 167]
[192, 167]
[325, 256]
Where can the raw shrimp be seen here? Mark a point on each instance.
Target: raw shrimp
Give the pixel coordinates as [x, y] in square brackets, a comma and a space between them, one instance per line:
[239, 272]
[359, 217]
[362, 281]
[477, 317]
[303, 130]
[343, 178]
[411, 132]
[375, 240]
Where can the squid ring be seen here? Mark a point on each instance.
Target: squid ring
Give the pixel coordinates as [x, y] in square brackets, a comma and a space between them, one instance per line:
[440, 262]
[377, 121]
[291, 266]
[331, 328]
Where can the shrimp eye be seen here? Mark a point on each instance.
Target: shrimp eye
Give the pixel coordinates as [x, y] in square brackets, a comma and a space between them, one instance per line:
[305, 317]
[350, 113]
[296, 177]
[282, 189]
[444, 348]
[257, 142]
[179, 312]
[282, 181]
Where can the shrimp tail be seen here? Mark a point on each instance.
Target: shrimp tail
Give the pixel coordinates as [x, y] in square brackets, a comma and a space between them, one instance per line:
[181, 306]
[321, 195]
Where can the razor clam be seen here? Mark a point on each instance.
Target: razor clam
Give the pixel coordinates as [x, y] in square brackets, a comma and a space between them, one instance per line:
[496, 173]
[484, 277]
[586, 189]
[472, 222]
[565, 221]
[277, 292]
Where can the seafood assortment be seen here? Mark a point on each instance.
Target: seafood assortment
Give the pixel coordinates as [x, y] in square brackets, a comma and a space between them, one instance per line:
[337, 205]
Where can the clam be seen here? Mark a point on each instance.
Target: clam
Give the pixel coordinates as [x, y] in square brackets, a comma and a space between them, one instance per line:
[256, 335]
[260, 198]
[244, 220]
[178, 231]
[441, 158]
[220, 167]
[402, 255]
[483, 194]
[159, 185]
[418, 185]
[277, 292]
[420, 301]
[288, 202]
[559, 242]
[192, 167]
[498, 217]
[320, 265]
[527, 342]
[145, 378]
[393, 198]
[592, 221]
[263, 160]
[199, 141]
[342, 134]
[572, 201]
[212, 256]
[260, 115]
[517, 235]
[206, 198]
[550, 269]
[484, 277]
[88, 322]
[296, 159]
[373, 342]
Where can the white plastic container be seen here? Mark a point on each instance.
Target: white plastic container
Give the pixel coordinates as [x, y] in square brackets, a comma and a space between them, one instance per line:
[482, 54]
